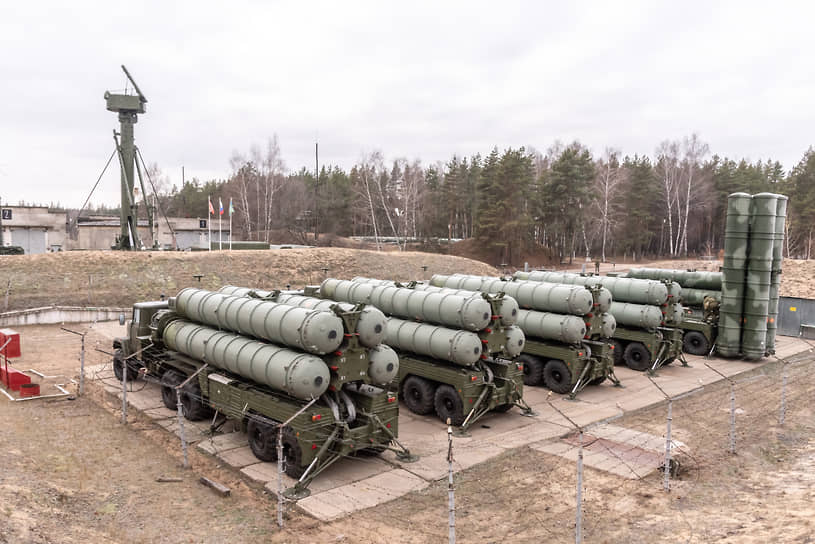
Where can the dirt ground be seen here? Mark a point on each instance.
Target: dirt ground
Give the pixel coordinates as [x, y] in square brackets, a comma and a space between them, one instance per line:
[105, 278]
[71, 472]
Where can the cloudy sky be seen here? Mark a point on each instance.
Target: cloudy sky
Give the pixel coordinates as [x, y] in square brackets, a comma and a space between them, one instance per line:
[415, 80]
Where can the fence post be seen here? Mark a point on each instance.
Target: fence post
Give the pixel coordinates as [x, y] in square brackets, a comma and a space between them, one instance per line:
[124, 392]
[732, 418]
[82, 368]
[279, 477]
[667, 480]
[451, 500]
[782, 416]
[180, 408]
[578, 531]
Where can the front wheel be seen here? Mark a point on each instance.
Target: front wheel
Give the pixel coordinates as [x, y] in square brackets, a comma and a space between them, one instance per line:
[557, 376]
[119, 363]
[195, 407]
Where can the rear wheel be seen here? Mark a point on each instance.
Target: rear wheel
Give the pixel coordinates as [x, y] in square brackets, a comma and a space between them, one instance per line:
[292, 454]
[418, 395]
[617, 352]
[449, 405]
[195, 408]
[503, 408]
[533, 369]
[597, 381]
[695, 343]
[262, 438]
[169, 381]
[637, 356]
[557, 376]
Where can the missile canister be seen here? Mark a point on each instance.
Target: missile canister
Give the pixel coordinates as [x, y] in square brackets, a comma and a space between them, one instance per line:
[622, 289]
[516, 340]
[759, 270]
[609, 325]
[310, 330]
[696, 297]
[637, 315]
[383, 364]
[301, 375]
[564, 328]
[560, 299]
[470, 313]
[775, 277]
[737, 231]
[507, 306]
[370, 327]
[702, 279]
[457, 346]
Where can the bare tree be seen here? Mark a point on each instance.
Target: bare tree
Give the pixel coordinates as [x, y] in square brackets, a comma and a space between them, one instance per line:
[241, 172]
[367, 178]
[609, 176]
[668, 170]
[694, 151]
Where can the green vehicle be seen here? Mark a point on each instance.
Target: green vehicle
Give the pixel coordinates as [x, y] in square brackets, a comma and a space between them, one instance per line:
[569, 368]
[459, 374]
[701, 327]
[334, 404]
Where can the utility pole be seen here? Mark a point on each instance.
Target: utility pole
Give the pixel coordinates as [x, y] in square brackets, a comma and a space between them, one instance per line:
[316, 214]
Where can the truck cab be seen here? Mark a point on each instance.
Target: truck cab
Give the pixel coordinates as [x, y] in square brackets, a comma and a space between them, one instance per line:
[138, 336]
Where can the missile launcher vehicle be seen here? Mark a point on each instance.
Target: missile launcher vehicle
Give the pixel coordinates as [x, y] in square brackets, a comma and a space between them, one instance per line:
[640, 341]
[567, 328]
[459, 373]
[332, 392]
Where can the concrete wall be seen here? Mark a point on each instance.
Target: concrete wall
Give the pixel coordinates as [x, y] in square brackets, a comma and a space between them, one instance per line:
[60, 314]
[44, 229]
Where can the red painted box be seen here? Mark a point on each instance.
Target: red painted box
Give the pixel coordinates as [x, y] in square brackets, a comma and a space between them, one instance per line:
[14, 379]
[11, 350]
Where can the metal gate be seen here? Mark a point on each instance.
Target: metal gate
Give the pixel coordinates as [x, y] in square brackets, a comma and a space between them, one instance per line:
[796, 317]
[31, 240]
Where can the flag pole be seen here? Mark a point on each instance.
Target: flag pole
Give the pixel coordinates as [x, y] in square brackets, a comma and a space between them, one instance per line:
[220, 236]
[230, 223]
[209, 224]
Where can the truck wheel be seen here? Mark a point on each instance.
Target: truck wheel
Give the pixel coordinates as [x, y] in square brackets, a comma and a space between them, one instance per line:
[501, 408]
[617, 352]
[418, 394]
[448, 405]
[262, 438]
[533, 369]
[556, 376]
[292, 454]
[195, 408]
[119, 365]
[695, 343]
[637, 356]
[597, 381]
[169, 381]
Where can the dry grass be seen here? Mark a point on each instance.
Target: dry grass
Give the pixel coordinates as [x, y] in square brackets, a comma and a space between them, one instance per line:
[106, 278]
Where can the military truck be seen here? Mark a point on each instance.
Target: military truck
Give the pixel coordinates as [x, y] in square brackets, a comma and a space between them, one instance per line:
[318, 374]
[459, 373]
[646, 312]
[566, 327]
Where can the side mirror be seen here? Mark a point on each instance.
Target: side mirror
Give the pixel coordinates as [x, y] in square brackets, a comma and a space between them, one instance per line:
[121, 319]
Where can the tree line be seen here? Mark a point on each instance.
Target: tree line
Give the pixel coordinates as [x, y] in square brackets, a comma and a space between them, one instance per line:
[566, 202]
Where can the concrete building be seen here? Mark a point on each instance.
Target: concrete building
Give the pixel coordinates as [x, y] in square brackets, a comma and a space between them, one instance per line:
[38, 230]
[34, 228]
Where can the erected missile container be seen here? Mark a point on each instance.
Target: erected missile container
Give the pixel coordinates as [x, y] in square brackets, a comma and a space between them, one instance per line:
[567, 327]
[459, 373]
[212, 353]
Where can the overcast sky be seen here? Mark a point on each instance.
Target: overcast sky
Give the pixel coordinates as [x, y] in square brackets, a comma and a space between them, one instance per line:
[415, 80]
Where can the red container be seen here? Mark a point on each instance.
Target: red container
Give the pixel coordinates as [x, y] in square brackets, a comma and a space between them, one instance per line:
[14, 379]
[29, 390]
[12, 350]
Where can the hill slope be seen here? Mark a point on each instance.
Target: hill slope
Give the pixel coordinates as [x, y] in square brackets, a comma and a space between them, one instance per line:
[106, 278]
